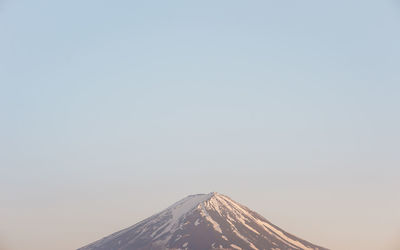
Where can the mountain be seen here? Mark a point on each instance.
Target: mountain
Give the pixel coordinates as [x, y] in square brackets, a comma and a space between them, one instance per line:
[201, 222]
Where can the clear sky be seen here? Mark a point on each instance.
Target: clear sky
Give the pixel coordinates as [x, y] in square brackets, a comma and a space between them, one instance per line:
[112, 110]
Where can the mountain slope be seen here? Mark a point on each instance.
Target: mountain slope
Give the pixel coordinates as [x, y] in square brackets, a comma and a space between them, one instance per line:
[200, 222]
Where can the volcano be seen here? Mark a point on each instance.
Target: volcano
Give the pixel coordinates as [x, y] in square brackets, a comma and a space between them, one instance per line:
[202, 222]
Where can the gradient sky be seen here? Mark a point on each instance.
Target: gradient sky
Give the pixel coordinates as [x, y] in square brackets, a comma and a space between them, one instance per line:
[110, 111]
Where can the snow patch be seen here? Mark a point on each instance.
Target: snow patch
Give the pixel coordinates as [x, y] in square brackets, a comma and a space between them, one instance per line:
[205, 214]
[235, 247]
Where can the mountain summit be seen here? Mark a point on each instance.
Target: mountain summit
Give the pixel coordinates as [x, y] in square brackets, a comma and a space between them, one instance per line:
[201, 222]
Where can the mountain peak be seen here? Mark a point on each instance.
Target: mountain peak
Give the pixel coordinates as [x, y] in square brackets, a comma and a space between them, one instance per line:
[202, 221]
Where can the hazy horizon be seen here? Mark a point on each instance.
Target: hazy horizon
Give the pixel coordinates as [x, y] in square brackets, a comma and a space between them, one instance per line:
[112, 111]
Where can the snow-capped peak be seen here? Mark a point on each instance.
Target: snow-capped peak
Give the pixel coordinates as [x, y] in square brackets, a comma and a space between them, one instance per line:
[203, 221]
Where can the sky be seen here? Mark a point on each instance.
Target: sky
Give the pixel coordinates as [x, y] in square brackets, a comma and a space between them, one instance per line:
[110, 111]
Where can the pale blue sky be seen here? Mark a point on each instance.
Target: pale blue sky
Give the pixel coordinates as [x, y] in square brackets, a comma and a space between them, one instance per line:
[112, 110]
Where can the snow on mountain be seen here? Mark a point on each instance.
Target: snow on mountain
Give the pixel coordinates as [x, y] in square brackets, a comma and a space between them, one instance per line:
[201, 222]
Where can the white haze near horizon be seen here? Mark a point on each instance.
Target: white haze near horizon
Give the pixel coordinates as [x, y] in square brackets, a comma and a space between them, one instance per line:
[113, 110]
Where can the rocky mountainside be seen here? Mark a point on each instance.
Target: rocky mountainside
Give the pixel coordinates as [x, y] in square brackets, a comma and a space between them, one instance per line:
[201, 222]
